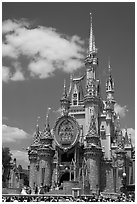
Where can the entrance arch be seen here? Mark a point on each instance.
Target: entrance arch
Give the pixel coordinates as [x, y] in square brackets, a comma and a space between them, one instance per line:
[66, 177]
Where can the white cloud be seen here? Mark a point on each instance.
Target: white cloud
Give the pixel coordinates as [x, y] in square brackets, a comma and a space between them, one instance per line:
[9, 51]
[5, 73]
[11, 134]
[10, 26]
[41, 68]
[21, 157]
[45, 49]
[131, 134]
[18, 76]
[121, 110]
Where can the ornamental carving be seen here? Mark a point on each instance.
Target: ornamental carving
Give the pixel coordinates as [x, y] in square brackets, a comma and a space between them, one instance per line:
[66, 132]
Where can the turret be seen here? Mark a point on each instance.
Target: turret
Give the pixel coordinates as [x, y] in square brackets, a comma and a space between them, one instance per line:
[45, 154]
[33, 156]
[110, 88]
[92, 155]
[65, 103]
[46, 137]
[92, 100]
[109, 112]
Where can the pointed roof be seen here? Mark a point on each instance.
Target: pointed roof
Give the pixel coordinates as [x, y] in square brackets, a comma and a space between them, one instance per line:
[64, 95]
[90, 35]
[46, 133]
[36, 136]
[109, 81]
[126, 137]
[70, 86]
[92, 45]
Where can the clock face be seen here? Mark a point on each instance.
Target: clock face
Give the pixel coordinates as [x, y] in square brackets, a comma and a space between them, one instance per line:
[66, 132]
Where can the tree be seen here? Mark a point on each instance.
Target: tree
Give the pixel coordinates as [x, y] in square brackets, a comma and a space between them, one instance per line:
[6, 164]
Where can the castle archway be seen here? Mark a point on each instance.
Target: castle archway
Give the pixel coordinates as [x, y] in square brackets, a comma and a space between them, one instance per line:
[66, 177]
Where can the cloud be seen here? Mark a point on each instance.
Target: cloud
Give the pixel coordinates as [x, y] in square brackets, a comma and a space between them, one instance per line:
[11, 134]
[131, 134]
[5, 73]
[21, 158]
[9, 51]
[9, 25]
[8, 76]
[18, 76]
[44, 48]
[121, 110]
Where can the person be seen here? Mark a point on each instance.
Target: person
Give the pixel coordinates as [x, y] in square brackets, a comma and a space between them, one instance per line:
[41, 189]
[23, 191]
[36, 189]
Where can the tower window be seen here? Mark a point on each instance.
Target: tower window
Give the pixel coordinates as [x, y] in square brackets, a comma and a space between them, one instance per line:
[75, 102]
[75, 95]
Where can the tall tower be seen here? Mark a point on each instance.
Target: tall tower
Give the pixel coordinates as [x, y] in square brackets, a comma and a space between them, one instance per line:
[93, 108]
[45, 153]
[33, 158]
[110, 102]
[92, 101]
[92, 155]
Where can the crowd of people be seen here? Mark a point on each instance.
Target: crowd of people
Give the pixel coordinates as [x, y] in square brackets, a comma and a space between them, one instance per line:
[43, 198]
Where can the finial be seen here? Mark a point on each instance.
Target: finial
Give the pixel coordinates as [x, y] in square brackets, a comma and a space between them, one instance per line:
[37, 126]
[94, 45]
[64, 91]
[91, 35]
[109, 67]
[118, 117]
[118, 122]
[70, 87]
[47, 117]
[64, 84]
[126, 135]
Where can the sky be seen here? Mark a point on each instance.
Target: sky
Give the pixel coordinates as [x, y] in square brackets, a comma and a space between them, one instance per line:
[43, 43]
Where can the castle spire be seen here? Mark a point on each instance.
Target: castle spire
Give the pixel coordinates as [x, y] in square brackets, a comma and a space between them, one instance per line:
[110, 84]
[64, 101]
[126, 137]
[46, 133]
[91, 35]
[37, 133]
[91, 61]
[70, 87]
[64, 95]
[47, 127]
[109, 67]
[37, 125]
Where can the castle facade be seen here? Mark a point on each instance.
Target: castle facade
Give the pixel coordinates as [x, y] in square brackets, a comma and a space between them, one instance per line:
[86, 149]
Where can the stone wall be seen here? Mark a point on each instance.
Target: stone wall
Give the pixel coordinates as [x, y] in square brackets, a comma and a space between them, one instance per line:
[32, 174]
[93, 172]
[106, 177]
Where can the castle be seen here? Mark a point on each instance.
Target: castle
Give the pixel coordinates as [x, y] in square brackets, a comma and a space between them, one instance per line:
[86, 149]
